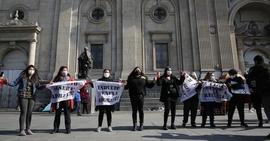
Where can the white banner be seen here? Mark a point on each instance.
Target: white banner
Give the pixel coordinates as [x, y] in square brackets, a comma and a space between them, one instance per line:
[62, 91]
[108, 93]
[188, 89]
[214, 92]
[244, 90]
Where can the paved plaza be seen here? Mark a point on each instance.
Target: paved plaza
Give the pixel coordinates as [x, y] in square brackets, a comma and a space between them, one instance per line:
[84, 129]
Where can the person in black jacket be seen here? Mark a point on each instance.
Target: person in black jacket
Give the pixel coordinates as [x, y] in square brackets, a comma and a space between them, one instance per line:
[169, 94]
[137, 83]
[235, 82]
[258, 80]
[108, 109]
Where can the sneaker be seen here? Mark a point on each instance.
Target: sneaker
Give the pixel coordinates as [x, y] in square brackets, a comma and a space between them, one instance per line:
[244, 125]
[79, 114]
[98, 129]
[110, 129]
[29, 132]
[22, 133]
[68, 131]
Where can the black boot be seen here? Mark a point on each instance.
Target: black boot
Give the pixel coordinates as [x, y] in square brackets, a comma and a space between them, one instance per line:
[134, 127]
[141, 127]
[55, 130]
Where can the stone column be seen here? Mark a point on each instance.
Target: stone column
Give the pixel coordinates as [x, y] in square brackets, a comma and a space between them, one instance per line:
[32, 53]
[63, 37]
[240, 54]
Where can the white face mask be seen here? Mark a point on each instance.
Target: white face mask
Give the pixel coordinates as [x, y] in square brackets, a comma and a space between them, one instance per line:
[31, 72]
[64, 73]
[169, 72]
[106, 75]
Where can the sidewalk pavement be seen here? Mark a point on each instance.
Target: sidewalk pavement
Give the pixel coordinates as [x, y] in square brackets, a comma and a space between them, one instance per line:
[84, 128]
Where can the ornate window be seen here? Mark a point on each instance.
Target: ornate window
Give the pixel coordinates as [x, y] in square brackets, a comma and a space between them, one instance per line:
[97, 14]
[159, 14]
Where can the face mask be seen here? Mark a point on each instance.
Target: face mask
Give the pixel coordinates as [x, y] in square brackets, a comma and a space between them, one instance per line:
[169, 72]
[137, 72]
[106, 75]
[64, 73]
[31, 72]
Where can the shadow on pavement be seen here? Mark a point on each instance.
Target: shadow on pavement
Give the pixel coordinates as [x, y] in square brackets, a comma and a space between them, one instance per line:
[213, 137]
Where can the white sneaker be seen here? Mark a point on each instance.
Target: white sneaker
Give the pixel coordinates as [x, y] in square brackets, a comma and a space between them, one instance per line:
[98, 129]
[22, 133]
[29, 132]
[110, 129]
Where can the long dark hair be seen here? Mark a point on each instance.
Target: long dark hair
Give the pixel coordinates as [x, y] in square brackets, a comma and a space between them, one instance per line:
[165, 71]
[25, 74]
[133, 74]
[208, 76]
[59, 74]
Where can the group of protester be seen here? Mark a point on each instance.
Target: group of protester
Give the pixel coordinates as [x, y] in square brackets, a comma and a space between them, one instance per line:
[136, 83]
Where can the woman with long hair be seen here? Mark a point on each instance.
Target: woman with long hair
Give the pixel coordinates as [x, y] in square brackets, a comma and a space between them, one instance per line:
[66, 105]
[108, 109]
[28, 82]
[137, 83]
[169, 94]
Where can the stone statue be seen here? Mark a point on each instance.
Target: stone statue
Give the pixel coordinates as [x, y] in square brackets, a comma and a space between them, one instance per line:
[85, 62]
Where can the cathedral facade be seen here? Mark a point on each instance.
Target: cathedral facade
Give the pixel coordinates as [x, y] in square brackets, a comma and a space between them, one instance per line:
[189, 35]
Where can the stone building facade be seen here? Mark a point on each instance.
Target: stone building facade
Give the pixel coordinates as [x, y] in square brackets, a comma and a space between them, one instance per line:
[190, 35]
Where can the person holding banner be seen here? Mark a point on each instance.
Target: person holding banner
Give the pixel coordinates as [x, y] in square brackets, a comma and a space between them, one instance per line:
[137, 83]
[66, 105]
[236, 86]
[108, 109]
[191, 104]
[169, 94]
[28, 82]
[208, 107]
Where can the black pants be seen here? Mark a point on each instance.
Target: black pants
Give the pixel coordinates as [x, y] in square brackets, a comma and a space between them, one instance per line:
[192, 106]
[208, 110]
[257, 104]
[62, 105]
[137, 106]
[26, 106]
[170, 105]
[108, 112]
[85, 109]
[236, 101]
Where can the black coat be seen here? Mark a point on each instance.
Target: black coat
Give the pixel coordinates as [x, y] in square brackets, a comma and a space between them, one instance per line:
[259, 79]
[169, 88]
[137, 86]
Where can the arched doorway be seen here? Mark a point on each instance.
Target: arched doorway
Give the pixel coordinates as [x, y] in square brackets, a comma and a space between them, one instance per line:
[13, 63]
[250, 20]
